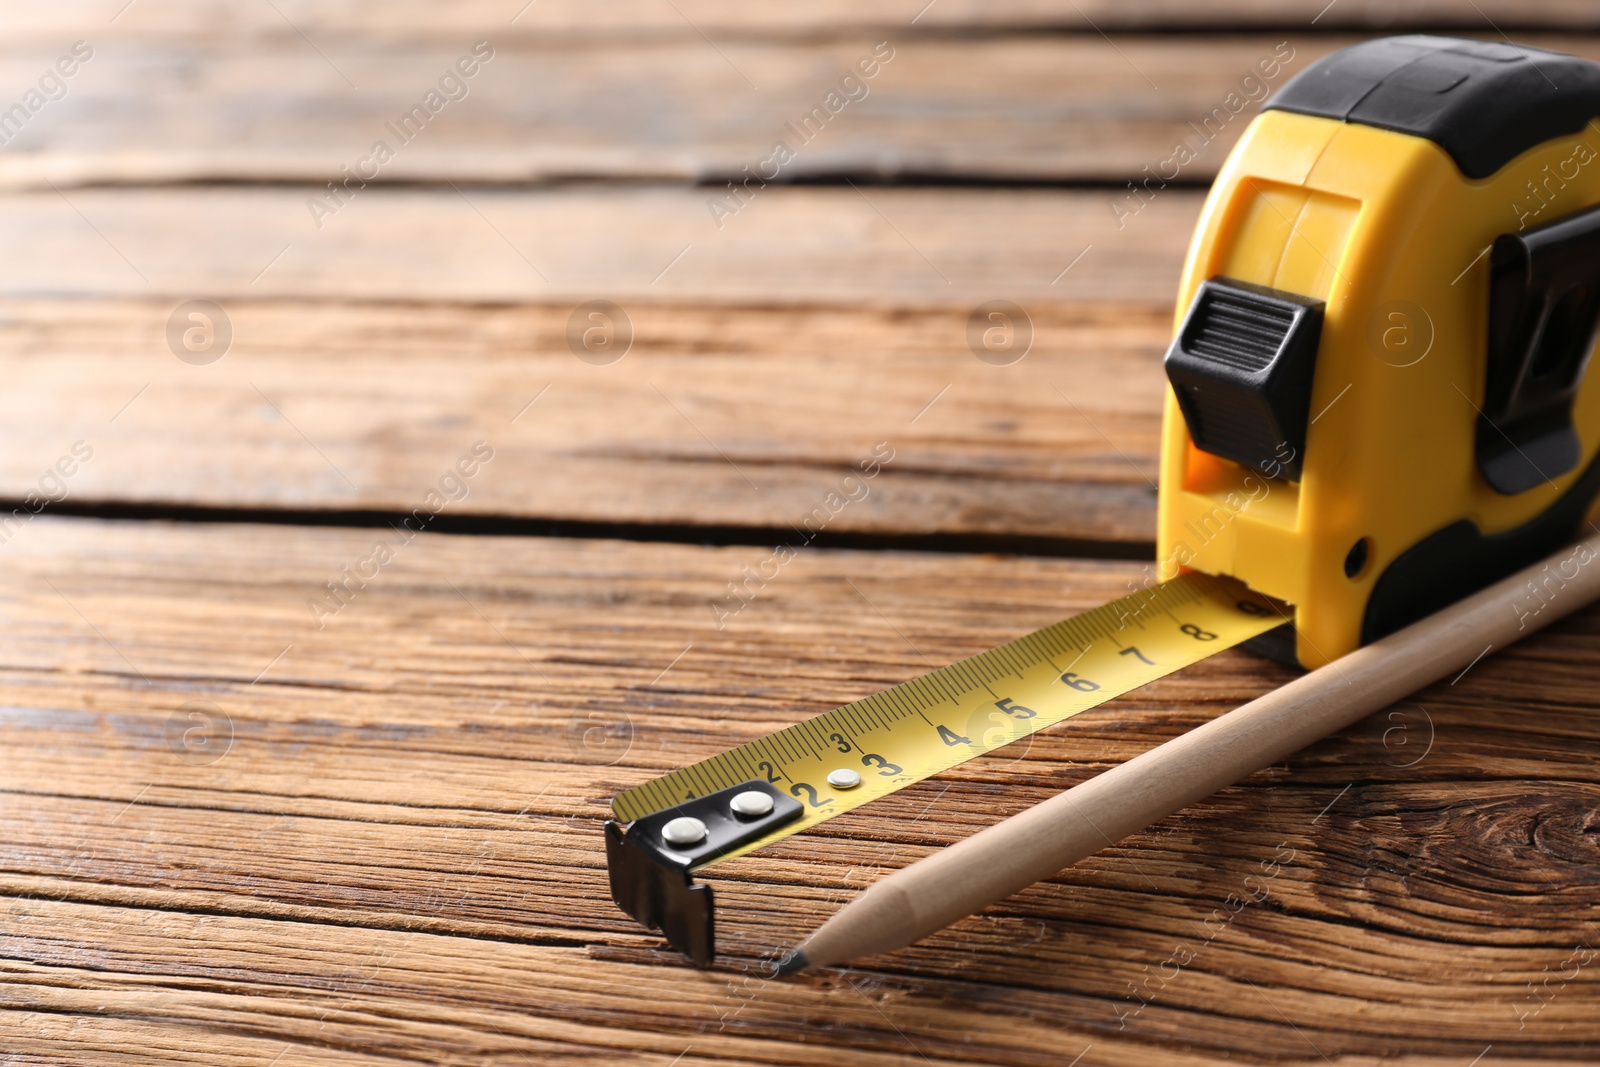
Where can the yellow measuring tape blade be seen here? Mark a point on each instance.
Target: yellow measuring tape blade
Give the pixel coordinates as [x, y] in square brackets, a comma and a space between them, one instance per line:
[976, 705]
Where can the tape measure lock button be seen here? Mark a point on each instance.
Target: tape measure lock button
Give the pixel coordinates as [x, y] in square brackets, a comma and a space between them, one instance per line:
[1241, 369]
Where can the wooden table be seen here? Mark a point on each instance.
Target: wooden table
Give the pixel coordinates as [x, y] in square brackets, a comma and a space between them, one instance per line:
[274, 795]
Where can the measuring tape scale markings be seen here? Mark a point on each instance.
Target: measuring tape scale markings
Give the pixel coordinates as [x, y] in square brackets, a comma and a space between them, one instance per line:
[932, 723]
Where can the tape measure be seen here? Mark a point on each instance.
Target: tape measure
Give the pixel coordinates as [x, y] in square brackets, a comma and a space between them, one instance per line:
[789, 781]
[1379, 405]
[842, 759]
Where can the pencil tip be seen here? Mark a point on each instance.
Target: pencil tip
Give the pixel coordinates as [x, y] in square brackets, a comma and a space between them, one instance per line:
[794, 961]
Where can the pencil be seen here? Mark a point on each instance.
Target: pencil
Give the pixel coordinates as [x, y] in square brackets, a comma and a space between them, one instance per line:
[1011, 855]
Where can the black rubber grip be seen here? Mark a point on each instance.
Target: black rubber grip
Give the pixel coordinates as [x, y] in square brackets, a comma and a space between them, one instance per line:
[1485, 103]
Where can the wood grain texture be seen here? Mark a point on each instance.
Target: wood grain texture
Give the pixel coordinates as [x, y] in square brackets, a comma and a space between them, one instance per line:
[364, 19]
[1051, 107]
[1008, 108]
[232, 836]
[382, 844]
[742, 416]
[792, 246]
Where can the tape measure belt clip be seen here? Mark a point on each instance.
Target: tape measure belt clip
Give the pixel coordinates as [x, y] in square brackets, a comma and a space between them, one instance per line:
[1544, 301]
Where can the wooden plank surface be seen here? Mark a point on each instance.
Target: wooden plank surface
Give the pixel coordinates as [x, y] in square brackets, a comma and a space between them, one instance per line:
[717, 417]
[390, 847]
[1008, 108]
[240, 828]
[796, 246]
[361, 19]
[743, 412]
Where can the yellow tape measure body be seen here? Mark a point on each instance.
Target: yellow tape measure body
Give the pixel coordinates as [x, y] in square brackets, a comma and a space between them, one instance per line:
[976, 705]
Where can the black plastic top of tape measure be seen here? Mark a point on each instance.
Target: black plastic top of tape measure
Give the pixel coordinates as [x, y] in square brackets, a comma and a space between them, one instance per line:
[1482, 102]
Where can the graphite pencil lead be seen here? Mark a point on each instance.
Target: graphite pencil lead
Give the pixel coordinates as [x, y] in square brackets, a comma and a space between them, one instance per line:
[794, 961]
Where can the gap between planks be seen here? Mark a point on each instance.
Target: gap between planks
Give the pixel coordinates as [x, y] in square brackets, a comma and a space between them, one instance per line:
[720, 424]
